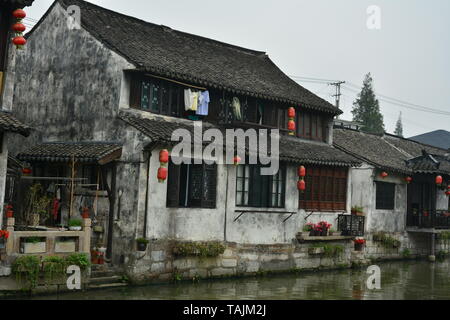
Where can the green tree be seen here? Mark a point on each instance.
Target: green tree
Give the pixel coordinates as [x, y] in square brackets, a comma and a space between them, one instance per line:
[399, 127]
[366, 109]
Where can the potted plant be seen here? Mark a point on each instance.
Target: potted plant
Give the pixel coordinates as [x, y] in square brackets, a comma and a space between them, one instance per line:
[142, 244]
[85, 214]
[357, 211]
[322, 228]
[37, 204]
[4, 235]
[359, 244]
[33, 245]
[65, 245]
[307, 229]
[9, 211]
[75, 225]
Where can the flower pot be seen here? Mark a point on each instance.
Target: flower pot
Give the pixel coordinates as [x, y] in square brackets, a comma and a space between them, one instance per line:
[324, 233]
[141, 246]
[2, 243]
[359, 247]
[360, 214]
[34, 248]
[94, 257]
[35, 219]
[75, 228]
[65, 247]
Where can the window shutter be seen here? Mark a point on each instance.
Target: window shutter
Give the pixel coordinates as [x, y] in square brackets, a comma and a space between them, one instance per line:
[173, 186]
[209, 193]
[135, 92]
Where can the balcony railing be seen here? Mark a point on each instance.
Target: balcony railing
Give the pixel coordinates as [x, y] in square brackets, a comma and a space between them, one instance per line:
[351, 225]
[427, 219]
[51, 242]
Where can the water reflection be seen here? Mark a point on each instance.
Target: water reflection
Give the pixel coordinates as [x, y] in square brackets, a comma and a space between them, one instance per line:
[400, 280]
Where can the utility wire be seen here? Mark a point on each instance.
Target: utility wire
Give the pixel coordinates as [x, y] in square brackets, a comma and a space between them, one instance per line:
[351, 87]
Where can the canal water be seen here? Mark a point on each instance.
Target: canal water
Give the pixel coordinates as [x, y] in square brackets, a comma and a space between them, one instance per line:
[417, 280]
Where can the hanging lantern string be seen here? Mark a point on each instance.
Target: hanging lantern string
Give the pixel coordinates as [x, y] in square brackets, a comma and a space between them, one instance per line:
[19, 28]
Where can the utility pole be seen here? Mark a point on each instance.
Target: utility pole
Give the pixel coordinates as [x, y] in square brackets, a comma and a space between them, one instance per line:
[338, 92]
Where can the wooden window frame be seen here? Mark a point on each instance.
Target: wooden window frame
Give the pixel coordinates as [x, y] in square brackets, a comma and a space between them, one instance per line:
[315, 123]
[170, 96]
[179, 188]
[260, 186]
[326, 189]
[385, 195]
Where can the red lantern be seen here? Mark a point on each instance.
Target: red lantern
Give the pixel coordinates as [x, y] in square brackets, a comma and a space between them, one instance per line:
[439, 180]
[26, 171]
[291, 113]
[164, 157]
[302, 171]
[408, 179]
[384, 174]
[19, 14]
[162, 174]
[301, 185]
[9, 211]
[19, 41]
[237, 160]
[291, 125]
[19, 27]
[85, 213]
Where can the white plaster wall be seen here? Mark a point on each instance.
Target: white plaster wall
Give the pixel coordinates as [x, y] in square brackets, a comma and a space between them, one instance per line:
[183, 223]
[442, 202]
[3, 171]
[218, 224]
[363, 193]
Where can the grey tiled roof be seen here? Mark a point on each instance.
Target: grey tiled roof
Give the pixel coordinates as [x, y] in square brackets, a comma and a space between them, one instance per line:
[166, 52]
[88, 152]
[291, 149]
[388, 152]
[438, 138]
[8, 123]
[17, 3]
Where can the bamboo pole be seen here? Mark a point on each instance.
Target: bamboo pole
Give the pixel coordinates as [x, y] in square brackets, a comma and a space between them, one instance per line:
[72, 188]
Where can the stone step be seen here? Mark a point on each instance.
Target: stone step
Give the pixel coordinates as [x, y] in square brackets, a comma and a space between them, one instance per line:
[106, 280]
[103, 274]
[107, 285]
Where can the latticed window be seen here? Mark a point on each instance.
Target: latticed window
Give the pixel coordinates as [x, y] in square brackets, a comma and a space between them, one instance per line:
[192, 186]
[157, 95]
[385, 195]
[259, 191]
[326, 189]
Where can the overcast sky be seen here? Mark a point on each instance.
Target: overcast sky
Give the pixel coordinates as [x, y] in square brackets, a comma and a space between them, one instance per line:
[409, 57]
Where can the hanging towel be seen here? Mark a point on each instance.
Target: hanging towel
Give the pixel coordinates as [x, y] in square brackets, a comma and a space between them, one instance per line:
[187, 99]
[203, 103]
[236, 105]
[194, 105]
[190, 100]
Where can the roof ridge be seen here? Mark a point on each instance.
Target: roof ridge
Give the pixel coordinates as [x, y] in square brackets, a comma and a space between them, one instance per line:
[164, 27]
[414, 141]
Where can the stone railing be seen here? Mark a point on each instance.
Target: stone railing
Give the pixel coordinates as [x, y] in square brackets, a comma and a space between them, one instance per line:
[53, 242]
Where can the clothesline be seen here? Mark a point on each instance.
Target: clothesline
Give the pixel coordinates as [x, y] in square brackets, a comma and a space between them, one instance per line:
[178, 82]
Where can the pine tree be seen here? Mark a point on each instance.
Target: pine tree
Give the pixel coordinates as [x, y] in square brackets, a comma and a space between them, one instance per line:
[366, 109]
[399, 127]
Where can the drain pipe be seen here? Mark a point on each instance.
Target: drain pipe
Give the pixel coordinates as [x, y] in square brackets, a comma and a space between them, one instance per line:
[149, 157]
[226, 205]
